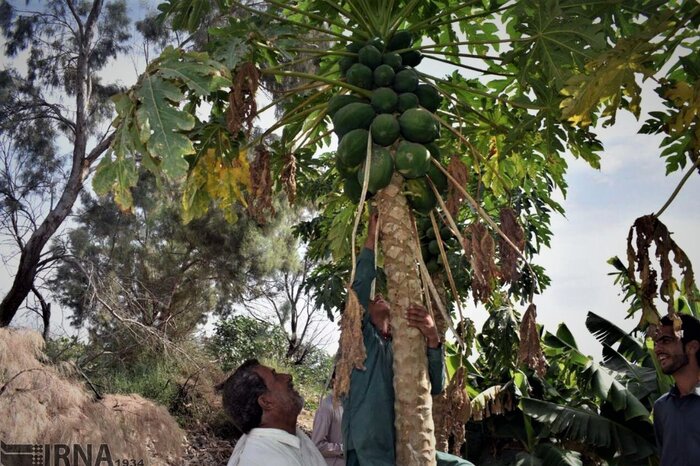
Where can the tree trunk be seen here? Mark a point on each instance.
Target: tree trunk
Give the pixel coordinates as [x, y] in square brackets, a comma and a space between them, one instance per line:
[415, 440]
[80, 165]
[31, 254]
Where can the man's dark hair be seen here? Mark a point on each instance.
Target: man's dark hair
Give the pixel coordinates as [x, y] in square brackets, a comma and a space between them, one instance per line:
[240, 394]
[691, 330]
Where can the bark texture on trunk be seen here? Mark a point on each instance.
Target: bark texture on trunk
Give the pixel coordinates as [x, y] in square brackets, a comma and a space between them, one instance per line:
[415, 439]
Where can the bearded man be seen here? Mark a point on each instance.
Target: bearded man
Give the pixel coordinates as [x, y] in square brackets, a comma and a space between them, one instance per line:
[677, 413]
[264, 405]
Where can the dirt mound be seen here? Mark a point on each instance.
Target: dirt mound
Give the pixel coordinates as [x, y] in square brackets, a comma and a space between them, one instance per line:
[44, 404]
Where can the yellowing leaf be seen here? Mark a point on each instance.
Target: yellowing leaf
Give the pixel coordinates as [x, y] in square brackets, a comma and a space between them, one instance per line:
[680, 93]
[686, 99]
[215, 179]
[117, 176]
[610, 79]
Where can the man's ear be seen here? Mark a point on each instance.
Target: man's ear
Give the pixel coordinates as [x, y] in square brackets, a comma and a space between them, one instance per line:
[265, 402]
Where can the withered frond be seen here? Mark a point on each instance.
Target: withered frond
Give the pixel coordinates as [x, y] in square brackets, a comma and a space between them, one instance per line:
[480, 250]
[451, 411]
[530, 351]
[242, 106]
[260, 195]
[460, 173]
[493, 401]
[289, 177]
[650, 230]
[509, 257]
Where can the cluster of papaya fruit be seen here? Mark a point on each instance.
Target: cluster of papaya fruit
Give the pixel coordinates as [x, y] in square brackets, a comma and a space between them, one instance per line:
[398, 116]
[429, 244]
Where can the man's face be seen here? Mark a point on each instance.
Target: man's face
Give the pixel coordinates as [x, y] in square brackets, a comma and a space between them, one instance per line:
[378, 306]
[280, 390]
[670, 351]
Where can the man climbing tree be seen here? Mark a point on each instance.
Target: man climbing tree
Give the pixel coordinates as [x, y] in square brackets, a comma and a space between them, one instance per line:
[368, 416]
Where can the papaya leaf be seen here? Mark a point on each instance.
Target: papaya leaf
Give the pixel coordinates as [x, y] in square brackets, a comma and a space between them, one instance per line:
[120, 174]
[610, 79]
[185, 14]
[554, 40]
[340, 232]
[221, 174]
[165, 121]
[200, 74]
[231, 52]
[117, 176]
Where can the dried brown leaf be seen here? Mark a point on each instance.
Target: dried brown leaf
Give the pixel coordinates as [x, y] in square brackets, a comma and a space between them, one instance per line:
[509, 257]
[351, 351]
[460, 173]
[451, 411]
[650, 230]
[530, 351]
[242, 106]
[493, 401]
[480, 250]
[260, 195]
[289, 177]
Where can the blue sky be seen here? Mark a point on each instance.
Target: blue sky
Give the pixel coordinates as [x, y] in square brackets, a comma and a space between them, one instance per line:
[600, 208]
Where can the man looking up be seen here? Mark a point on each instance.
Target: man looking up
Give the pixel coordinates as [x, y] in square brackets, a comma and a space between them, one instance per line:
[677, 413]
[264, 405]
[368, 415]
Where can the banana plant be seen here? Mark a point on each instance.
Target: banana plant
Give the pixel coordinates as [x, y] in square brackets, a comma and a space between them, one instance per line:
[579, 411]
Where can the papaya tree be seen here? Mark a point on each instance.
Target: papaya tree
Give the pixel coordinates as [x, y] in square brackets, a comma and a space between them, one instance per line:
[461, 166]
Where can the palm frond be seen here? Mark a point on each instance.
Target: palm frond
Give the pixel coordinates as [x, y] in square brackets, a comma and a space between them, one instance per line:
[609, 334]
[588, 427]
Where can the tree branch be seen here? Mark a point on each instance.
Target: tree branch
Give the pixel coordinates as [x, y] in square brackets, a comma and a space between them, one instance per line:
[678, 188]
[76, 16]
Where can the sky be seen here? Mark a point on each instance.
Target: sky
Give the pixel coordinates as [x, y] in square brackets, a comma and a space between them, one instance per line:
[601, 205]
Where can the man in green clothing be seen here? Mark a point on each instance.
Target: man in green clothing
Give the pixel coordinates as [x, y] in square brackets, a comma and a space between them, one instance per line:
[368, 416]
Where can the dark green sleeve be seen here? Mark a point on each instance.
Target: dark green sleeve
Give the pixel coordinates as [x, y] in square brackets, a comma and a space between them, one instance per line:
[364, 274]
[436, 370]
[444, 459]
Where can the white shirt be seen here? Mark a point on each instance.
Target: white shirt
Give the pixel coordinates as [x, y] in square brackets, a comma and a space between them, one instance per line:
[275, 447]
[327, 433]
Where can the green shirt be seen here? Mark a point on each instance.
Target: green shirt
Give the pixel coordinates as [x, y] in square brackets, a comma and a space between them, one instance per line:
[368, 415]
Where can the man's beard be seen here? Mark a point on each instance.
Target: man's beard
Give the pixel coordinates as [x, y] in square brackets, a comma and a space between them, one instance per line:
[679, 361]
[296, 401]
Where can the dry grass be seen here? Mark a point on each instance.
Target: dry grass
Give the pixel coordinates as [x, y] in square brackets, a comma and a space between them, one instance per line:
[43, 405]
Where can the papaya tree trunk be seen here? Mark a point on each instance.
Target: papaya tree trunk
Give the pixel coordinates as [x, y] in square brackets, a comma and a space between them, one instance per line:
[415, 439]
